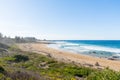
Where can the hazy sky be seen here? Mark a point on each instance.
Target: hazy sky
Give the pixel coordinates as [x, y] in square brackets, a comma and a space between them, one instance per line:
[61, 19]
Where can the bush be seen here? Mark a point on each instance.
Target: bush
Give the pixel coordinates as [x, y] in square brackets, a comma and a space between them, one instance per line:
[3, 46]
[19, 58]
[2, 70]
[18, 75]
[105, 74]
[2, 76]
[2, 50]
[78, 71]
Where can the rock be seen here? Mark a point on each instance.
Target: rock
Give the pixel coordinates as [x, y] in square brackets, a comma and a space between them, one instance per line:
[97, 64]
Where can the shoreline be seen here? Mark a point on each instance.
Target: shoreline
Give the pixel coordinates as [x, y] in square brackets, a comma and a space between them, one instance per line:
[69, 57]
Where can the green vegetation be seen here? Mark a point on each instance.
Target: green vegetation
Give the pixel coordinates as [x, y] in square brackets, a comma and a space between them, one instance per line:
[20, 65]
[17, 39]
[3, 46]
[105, 74]
[2, 70]
[20, 58]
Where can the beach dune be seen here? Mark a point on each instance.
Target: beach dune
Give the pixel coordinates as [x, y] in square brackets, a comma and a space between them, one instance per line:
[78, 59]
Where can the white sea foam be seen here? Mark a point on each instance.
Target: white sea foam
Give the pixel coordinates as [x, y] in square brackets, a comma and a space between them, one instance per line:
[91, 47]
[83, 47]
[60, 42]
[99, 48]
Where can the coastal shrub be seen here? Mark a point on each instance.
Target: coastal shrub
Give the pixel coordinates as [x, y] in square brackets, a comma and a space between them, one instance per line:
[14, 48]
[51, 62]
[78, 71]
[22, 75]
[2, 70]
[33, 68]
[2, 50]
[19, 58]
[4, 46]
[56, 64]
[83, 72]
[105, 74]
[67, 71]
[28, 63]
[2, 76]
[43, 59]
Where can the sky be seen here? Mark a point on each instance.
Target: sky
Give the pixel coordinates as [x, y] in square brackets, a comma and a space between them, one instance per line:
[61, 19]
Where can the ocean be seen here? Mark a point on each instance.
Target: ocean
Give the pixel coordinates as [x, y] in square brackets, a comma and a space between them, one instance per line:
[97, 48]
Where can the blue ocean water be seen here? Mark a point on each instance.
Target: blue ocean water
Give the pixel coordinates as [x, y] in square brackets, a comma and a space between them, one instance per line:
[105, 43]
[98, 48]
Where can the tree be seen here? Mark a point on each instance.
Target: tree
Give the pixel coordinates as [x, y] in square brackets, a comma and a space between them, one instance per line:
[17, 38]
[1, 35]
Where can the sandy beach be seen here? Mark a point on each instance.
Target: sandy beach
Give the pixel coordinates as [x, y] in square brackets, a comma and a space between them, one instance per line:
[75, 58]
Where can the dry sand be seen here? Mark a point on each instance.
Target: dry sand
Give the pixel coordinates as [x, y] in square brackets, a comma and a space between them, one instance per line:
[78, 59]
